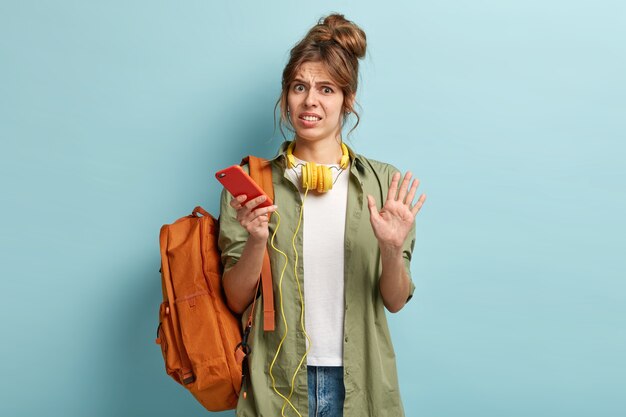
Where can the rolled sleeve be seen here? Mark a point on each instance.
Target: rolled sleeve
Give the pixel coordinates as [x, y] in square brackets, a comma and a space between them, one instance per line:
[407, 253]
[232, 236]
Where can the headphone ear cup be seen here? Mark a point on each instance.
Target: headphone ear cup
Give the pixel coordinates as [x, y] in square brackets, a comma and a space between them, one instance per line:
[313, 179]
[316, 177]
[321, 179]
[329, 180]
[309, 176]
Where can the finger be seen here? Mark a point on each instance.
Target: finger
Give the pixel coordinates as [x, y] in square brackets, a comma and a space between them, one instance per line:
[393, 188]
[236, 201]
[404, 186]
[411, 194]
[255, 202]
[420, 202]
[255, 219]
[261, 221]
[371, 204]
[263, 211]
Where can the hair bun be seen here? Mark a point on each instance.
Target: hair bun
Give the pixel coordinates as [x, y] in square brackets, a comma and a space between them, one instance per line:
[346, 33]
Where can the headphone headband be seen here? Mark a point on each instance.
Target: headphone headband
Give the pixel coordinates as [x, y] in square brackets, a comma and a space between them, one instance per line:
[345, 155]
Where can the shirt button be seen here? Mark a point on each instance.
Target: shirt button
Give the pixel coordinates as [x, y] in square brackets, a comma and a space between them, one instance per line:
[346, 339]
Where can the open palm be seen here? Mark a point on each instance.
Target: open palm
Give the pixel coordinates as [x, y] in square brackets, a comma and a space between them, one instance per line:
[394, 221]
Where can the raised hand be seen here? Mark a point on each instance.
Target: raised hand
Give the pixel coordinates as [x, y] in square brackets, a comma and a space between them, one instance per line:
[254, 220]
[394, 221]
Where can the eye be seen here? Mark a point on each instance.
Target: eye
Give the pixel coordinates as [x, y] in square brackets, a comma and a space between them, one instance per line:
[327, 90]
[298, 88]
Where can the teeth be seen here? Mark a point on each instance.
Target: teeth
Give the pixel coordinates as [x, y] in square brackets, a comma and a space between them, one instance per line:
[310, 118]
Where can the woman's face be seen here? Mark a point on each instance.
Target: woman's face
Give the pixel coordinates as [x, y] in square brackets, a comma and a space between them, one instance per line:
[315, 103]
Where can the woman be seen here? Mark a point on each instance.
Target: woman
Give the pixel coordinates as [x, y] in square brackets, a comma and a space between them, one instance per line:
[340, 246]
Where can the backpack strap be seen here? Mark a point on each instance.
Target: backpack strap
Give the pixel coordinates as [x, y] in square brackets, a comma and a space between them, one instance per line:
[185, 374]
[261, 173]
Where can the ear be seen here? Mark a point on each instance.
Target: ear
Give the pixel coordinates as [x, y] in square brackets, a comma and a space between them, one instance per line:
[350, 100]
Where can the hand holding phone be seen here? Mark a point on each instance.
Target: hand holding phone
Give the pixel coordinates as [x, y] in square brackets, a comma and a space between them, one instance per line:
[254, 219]
[237, 182]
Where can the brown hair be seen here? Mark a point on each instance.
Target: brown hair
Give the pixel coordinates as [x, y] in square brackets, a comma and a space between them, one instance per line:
[337, 43]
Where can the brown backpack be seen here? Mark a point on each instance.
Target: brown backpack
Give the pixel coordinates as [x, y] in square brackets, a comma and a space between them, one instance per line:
[201, 339]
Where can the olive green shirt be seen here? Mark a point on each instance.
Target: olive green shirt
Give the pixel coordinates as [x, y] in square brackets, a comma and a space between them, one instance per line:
[370, 377]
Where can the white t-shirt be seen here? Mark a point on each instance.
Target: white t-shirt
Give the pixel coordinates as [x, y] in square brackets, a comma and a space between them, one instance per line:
[323, 222]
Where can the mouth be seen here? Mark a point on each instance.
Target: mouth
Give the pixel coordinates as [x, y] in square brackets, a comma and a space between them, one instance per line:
[309, 119]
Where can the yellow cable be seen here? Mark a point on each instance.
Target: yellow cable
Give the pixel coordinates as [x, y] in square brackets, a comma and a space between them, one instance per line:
[293, 243]
[282, 311]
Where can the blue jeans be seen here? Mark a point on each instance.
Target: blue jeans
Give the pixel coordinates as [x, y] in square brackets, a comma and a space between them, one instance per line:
[326, 391]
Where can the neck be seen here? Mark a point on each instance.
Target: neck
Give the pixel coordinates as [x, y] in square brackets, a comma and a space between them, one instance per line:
[320, 152]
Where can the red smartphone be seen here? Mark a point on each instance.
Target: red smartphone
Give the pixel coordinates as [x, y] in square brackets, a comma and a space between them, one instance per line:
[237, 182]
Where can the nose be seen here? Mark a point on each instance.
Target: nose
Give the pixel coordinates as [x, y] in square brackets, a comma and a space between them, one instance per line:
[311, 98]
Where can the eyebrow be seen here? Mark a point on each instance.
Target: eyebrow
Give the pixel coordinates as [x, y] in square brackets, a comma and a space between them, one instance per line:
[319, 82]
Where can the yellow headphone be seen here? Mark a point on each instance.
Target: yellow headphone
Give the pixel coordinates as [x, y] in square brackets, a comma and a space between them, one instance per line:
[314, 176]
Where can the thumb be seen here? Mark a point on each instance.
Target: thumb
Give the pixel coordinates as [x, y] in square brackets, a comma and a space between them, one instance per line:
[371, 203]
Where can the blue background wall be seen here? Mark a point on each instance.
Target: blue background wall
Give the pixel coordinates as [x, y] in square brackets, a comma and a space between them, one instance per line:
[114, 116]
